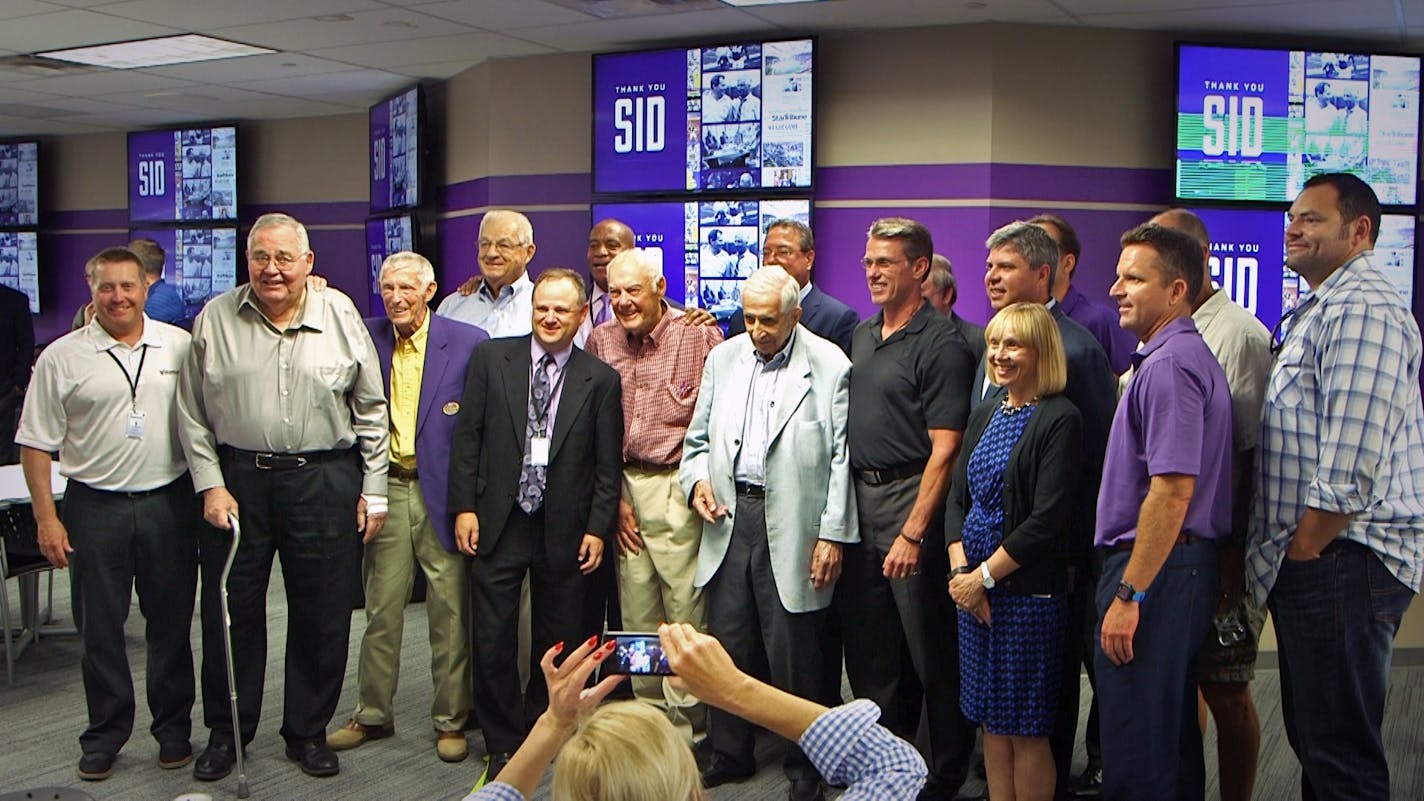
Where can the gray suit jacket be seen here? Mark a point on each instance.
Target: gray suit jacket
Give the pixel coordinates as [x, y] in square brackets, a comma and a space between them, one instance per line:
[809, 495]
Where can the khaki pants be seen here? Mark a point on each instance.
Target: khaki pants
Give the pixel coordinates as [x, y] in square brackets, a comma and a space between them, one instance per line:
[389, 573]
[655, 586]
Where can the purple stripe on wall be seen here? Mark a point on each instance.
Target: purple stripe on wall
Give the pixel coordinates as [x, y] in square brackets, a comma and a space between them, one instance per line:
[561, 239]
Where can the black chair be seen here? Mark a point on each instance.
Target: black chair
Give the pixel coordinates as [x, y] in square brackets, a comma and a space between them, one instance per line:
[20, 557]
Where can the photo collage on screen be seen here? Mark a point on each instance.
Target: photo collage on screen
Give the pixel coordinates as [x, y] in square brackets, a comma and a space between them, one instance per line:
[749, 116]
[19, 184]
[19, 264]
[404, 151]
[204, 264]
[384, 237]
[724, 246]
[207, 169]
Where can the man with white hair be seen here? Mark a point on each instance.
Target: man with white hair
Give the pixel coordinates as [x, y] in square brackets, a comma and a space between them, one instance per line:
[423, 360]
[502, 304]
[767, 468]
[660, 363]
[283, 421]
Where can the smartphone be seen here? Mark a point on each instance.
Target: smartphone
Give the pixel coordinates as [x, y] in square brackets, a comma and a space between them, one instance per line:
[638, 653]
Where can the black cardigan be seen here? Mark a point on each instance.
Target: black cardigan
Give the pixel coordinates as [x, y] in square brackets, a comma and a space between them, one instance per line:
[1042, 484]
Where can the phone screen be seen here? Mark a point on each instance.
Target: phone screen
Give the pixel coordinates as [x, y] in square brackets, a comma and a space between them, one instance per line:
[638, 654]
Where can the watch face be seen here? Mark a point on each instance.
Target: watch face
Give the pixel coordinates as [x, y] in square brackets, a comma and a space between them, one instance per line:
[1124, 591]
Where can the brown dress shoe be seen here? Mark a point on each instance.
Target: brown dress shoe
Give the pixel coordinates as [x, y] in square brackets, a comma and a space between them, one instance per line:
[354, 734]
[450, 746]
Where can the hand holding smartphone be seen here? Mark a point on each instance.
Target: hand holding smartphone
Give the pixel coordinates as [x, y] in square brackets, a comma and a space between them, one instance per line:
[638, 653]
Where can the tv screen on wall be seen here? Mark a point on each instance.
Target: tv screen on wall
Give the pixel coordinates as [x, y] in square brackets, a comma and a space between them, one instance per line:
[20, 264]
[1248, 259]
[201, 264]
[385, 236]
[19, 184]
[183, 175]
[719, 119]
[708, 246]
[1254, 124]
[396, 139]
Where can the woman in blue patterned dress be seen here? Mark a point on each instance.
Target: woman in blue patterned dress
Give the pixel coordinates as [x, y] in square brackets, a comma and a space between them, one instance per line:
[1007, 522]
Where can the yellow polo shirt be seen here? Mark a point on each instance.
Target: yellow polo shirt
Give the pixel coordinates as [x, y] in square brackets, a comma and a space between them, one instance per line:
[407, 366]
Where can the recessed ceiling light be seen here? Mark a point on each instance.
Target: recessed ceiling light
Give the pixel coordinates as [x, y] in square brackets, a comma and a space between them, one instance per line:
[976, 5]
[334, 18]
[183, 49]
[397, 23]
[740, 3]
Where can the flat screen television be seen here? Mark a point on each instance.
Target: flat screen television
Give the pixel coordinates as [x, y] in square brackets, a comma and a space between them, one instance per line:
[385, 236]
[726, 118]
[1248, 258]
[19, 184]
[708, 246]
[202, 263]
[20, 264]
[396, 151]
[183, 175]
[1254, 124]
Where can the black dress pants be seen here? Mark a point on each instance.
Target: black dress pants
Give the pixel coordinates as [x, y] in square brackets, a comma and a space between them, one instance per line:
[308, 517]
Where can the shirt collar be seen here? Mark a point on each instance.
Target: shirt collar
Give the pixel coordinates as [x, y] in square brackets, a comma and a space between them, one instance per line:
[1181, 325]
[805, 290]
[309, 315]
[103, 340]
[1212, 307]
[920, 319]
[537, 351]
[656, 335]
[418, 339]
[1342, 275]
[518, 286]
[778, 359]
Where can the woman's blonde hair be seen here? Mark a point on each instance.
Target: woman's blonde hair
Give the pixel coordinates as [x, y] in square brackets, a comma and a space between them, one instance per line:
[626, 751]
[1033, 325]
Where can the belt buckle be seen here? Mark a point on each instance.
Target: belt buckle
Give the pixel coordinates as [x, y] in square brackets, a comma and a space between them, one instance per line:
[277, 461]
[874, 477]
[264, 461]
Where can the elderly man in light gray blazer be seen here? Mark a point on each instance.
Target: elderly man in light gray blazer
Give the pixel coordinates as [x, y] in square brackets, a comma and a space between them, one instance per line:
[765, 465]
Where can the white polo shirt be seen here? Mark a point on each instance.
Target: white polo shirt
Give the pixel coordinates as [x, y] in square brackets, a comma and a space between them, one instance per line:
[80, 404]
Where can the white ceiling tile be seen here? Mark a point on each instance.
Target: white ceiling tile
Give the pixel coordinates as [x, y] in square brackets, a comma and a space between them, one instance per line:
[505, 15]
[438, 71]
[195, 15]
[470, 48]
[368, 27]
[855, 14]
[613, 34]
[250, 68]
[64, 29]
[106, 82]
[361, 87]
[136, 117]
[1330, 17]
[18, 126]
[11, 9]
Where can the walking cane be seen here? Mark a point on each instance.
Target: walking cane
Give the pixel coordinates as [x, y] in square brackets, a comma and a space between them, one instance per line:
[242, 791]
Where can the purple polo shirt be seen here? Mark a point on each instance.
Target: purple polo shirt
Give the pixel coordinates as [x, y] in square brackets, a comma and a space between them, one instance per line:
[1102, 322]
[1174, 418]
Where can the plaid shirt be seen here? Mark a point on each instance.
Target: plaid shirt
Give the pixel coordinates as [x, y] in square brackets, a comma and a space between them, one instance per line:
[1343, 427]
[661, 374]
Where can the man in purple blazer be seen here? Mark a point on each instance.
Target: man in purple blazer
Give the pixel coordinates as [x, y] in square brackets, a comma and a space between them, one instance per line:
[423, 360]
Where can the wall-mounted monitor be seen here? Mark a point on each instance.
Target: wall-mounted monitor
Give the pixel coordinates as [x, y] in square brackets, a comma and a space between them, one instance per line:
[19, 184]
[202, 263]
[708, 246]
[385, 236]
[20, 264]
[396, 151]
[1248, 259]
[183, 175]
[1254, 124]
[728, 118]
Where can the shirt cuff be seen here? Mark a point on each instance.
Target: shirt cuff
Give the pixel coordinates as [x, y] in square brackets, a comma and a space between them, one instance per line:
[375, 504]
[1345, 500]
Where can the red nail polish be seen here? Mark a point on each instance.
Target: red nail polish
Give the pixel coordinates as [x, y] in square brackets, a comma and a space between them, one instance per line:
[558, 646]
[592, 641]
[610, 645]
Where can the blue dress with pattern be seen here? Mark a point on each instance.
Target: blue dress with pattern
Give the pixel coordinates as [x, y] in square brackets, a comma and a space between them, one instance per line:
[1010, 669]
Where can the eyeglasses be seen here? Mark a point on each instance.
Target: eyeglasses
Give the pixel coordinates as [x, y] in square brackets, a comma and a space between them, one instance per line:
[1230, 629]
[882, 263]
[1282, 330]
[284, 261]
[784, 252]
[504, 246]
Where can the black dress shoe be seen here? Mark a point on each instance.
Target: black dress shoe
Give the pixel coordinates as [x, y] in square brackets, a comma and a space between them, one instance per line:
[215, 762]
[96, 766]
[806, 790]
[721, 773]
[1088, 784]
[175, 755]
[496, 764]
[315, 757]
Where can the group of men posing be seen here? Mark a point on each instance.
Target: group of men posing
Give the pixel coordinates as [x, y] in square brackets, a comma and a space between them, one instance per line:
[783, 489]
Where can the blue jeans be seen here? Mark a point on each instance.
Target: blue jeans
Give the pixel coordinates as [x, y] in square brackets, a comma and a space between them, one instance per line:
[1152, 748]
[1335, 620]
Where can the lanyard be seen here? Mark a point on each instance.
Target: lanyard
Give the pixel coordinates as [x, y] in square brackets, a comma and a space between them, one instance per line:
[133, 380]
[541, 410]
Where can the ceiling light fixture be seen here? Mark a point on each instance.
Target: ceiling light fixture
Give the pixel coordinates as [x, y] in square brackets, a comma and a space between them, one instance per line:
[184, 49]
[741, 3]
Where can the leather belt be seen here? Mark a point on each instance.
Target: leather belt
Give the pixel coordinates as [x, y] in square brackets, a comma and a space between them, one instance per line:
[1182, 539]
[751, 490]
[131, 494]
[885, 476]
[403, 473]
[282, 461]
[648, 467]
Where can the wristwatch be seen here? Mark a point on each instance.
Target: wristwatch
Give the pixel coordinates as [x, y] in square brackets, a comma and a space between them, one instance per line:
[1127, 592]
[988, 578]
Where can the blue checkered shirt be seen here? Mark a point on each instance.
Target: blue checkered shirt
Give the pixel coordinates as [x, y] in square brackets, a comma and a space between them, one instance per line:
[848, 747]
[1343, 427]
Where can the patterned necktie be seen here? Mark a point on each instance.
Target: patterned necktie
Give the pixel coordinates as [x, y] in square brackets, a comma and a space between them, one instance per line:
[602, 316]
[531, 477]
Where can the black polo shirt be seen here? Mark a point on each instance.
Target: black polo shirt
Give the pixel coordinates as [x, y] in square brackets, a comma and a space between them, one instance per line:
[903, 386]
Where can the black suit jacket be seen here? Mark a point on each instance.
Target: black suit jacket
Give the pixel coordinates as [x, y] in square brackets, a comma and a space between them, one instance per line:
[821, 314]
[17, 340]
[584, 477]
